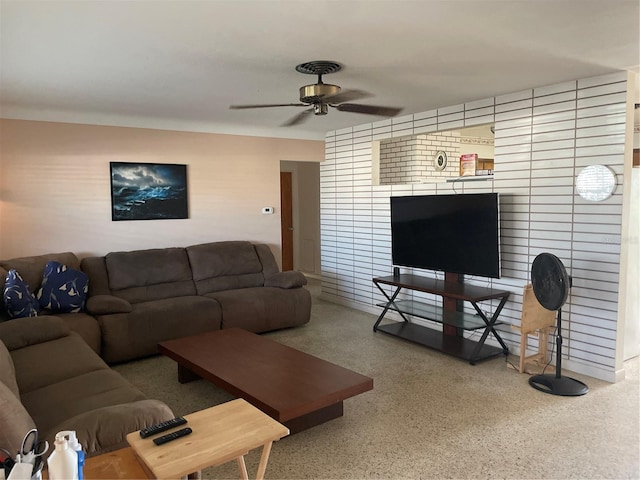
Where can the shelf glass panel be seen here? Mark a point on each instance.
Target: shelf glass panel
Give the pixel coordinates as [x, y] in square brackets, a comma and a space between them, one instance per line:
[466, 321]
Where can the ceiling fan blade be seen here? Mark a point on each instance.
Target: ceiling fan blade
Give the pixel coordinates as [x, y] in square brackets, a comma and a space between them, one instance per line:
[345, 96]
[299, 118]
[241, 107]
[369, 109]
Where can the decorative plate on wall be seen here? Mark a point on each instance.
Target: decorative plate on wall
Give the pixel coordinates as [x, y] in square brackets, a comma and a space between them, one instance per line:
[596, 183]
[440, 160]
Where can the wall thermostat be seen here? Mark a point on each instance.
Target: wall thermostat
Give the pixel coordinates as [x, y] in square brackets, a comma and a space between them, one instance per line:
[267, 210]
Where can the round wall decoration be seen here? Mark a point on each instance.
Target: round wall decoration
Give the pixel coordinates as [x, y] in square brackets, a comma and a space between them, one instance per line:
[596, 183]
[440, 160]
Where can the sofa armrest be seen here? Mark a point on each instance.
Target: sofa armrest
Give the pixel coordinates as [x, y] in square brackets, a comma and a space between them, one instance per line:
[22, 332]
[107, 304]
[14, 420]
[105, 429]
[288, 279]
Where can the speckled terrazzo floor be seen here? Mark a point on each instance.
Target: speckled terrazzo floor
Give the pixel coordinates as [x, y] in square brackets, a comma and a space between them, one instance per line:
[429, 415]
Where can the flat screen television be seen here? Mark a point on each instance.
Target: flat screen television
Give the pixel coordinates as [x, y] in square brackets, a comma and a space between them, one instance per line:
[450, 233]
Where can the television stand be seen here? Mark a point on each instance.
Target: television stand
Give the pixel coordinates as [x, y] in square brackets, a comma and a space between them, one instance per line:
[454, 321]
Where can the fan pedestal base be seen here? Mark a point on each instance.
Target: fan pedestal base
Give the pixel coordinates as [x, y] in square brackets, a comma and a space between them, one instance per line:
[554, 385]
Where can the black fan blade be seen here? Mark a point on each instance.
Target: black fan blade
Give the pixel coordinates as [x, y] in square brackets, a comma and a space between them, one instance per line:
[345, 96]
[299, 118]
[241, 107]
[369, 109]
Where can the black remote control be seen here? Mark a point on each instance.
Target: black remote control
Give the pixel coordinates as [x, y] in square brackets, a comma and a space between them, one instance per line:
[172, 436]
[162, 427]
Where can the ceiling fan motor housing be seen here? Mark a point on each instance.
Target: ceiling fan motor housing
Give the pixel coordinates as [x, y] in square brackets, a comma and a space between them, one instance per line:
[314, 93]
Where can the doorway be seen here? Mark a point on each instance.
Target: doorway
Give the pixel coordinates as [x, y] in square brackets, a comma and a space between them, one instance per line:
[286, 220]
[300, 188]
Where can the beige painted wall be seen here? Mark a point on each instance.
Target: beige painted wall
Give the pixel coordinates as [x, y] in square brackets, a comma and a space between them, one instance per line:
[55, 187]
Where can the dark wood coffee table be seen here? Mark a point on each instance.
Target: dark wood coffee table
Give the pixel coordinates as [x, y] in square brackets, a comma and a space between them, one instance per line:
[296, 389]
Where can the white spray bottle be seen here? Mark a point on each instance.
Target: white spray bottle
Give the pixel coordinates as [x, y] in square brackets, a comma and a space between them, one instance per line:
[75, 445]
[63, 461]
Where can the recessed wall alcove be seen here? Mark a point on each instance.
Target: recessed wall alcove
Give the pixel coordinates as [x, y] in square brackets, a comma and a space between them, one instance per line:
[432, 157]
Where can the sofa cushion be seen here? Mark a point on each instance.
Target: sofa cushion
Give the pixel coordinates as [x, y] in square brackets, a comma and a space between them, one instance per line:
[145, 275]
[269, 264]
[286, 280]
[77, 394]
[84, 325]
[32, 331]
[107, 304]
[15, 421]
[63, 289]
[65, 358]
[263, 309]
[132, 335]
[32, 268]
[225, 265]
[96, 269]
[18, 298]
[7, 370]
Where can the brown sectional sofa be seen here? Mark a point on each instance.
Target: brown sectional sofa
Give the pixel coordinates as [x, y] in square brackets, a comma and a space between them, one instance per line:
[143, 297]
[51, 379]
[51, 371]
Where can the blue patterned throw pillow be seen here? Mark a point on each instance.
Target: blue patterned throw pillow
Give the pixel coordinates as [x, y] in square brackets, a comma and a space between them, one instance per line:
[17, 296]
[63, 289]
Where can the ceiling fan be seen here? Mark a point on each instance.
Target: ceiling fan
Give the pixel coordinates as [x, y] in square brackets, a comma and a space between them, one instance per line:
[320, 96]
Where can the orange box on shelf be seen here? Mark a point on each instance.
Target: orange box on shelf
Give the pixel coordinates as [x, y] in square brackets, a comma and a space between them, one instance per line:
[468, 163]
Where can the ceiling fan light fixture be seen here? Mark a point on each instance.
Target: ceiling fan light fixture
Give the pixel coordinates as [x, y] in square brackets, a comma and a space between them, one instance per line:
[320, 109]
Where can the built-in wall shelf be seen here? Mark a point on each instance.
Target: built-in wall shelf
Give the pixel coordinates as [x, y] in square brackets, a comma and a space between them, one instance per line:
[470, 178]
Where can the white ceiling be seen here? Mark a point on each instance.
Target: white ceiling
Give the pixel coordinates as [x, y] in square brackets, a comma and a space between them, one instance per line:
[180, 64]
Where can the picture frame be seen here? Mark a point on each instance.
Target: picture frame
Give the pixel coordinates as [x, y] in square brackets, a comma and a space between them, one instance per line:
[148, 191]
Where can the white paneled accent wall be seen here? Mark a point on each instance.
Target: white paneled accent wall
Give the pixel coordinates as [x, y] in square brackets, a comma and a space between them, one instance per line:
[543, 138]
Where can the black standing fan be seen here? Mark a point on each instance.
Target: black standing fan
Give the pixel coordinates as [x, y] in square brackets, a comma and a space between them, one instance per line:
[551, 287]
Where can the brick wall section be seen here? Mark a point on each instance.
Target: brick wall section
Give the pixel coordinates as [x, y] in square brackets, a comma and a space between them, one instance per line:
[407, 160]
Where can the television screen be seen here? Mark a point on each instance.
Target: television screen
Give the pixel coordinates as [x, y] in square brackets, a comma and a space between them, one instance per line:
[451, 233]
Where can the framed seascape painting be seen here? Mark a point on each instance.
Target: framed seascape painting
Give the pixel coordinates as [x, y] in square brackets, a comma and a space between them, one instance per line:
[148, 191]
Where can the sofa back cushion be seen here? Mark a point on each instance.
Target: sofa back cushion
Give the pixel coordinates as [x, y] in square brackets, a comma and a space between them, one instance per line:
[225, 266]
[31, 269]
[145, 275]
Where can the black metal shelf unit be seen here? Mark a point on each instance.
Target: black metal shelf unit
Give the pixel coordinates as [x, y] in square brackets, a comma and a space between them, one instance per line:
[454, 321]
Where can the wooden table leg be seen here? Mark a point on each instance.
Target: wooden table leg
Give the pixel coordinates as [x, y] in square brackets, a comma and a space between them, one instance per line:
[185, 375]
[242, 467]
[262, 467]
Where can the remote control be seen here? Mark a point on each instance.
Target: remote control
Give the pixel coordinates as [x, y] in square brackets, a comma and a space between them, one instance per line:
[162, 427]
[172, 436]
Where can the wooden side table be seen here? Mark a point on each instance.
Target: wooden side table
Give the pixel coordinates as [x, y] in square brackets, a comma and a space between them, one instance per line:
[120, 464]
[220, 434]
[117, 465]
